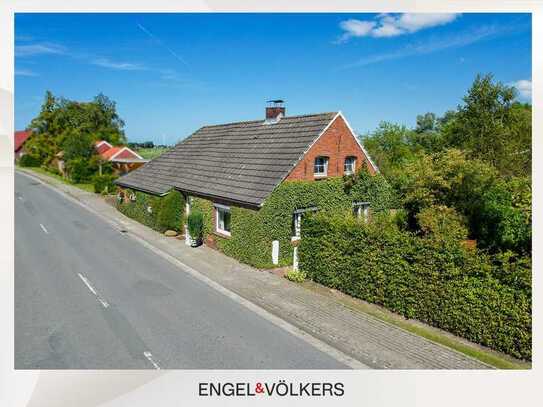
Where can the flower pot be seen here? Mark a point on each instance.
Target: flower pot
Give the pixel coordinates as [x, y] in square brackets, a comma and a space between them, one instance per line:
[195, 242]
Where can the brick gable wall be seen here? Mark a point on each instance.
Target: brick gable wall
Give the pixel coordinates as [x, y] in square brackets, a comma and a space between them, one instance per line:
[336, 143]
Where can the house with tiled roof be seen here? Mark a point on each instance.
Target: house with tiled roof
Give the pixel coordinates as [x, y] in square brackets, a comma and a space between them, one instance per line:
[122, 158]
[20, 137]
[240, 165]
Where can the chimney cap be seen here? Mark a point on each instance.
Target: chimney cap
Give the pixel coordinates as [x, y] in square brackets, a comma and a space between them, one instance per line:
[276, 101]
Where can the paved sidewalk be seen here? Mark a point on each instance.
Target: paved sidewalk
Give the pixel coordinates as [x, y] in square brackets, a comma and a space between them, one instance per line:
[371, 341]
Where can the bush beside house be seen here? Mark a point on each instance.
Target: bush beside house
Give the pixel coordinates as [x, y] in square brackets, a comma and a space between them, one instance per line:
[159, 213]
[104, 183]
[29, 160]
[434, 279]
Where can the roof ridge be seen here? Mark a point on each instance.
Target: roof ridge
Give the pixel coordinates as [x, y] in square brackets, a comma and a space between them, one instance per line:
[262, 120]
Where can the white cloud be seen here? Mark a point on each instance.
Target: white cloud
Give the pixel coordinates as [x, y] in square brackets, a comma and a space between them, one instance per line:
[25, 72]
[434, 45]
[524, 88]
[38, 49]
[121, 66]
[391, 25]
[356, 28]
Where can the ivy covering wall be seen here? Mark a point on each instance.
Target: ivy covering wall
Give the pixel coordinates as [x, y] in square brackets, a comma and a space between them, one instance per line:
[253, 231]
[165, 212]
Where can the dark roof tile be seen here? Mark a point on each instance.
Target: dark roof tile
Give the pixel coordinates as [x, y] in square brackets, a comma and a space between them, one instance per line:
[241, 162]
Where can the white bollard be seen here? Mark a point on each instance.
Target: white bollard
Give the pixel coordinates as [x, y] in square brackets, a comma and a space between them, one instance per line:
[275, 252]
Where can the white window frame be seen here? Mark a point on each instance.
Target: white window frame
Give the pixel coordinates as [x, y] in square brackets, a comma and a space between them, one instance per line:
[297, 219]
[361, 210]
[218, 209]
[353, 165]
[320, 174]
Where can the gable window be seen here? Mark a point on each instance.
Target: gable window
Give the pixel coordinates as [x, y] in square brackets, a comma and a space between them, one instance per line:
[222, 216]
[349, 166]
[297, 217]
[361, 210]
[321, 166]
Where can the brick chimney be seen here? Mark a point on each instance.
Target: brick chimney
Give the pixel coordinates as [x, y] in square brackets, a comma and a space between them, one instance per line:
[275, 109]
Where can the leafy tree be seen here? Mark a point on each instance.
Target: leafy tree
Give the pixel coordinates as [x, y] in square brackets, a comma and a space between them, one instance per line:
[441, 223]
[426, 122]
[79, 170]
[492, 127]
[77, 144]
[498, 211]
[389, 147]
[72, 125]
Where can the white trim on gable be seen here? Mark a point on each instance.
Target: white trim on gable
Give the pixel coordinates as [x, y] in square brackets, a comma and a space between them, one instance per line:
[102, 142]
[359, 143]
[338, 114]
[125, 149]
[307, 149]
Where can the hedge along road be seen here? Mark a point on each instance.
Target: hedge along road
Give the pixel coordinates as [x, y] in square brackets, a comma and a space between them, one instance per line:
[89, 297]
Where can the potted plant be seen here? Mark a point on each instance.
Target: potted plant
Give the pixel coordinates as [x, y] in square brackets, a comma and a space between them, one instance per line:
[195, 225]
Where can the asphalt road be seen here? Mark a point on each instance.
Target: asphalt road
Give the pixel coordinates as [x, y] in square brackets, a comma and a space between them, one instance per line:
[90, 297]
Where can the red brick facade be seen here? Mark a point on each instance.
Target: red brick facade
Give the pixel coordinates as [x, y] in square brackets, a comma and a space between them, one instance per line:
[337, 143]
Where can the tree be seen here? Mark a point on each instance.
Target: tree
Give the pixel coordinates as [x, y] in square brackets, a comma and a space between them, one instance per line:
[389, 147]
[492, 127]
[64, 123]
[497, 210]
[426, 122]
[77, 144]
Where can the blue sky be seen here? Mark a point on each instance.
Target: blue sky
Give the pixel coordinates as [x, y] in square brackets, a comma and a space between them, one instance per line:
[172, 73]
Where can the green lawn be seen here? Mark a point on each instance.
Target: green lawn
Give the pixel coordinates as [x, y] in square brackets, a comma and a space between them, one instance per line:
[84, 187]
[150, 153]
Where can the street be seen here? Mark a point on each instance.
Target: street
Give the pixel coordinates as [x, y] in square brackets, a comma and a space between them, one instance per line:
[90, 297]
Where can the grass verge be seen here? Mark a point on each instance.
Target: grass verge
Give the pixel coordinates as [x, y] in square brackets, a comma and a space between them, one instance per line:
[39, 170]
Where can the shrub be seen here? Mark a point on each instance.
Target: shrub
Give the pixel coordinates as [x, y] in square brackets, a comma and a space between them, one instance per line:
[195, 224]
[441, 222]
[78, 170]
[295, 275]
[30, 160]
[513, 270]
[103, 183]
[138, 209]
[436, 281]
[170, 212]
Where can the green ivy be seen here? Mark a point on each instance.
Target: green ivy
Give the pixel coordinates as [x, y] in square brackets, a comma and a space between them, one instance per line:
[435, 280]
[155, 218]
[254, 230]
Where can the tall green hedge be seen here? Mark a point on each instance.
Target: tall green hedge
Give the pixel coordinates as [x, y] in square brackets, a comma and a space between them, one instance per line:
[436, 281]
[253, 231]
[165, 212]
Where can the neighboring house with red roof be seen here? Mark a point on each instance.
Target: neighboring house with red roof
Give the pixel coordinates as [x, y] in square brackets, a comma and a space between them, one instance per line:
[102, 146]
[20, 139]
[123, 158]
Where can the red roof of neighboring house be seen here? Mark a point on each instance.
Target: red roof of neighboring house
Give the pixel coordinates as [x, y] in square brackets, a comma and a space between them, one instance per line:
[107, 151]
[110, 152]
[20, 138]
[102, 146]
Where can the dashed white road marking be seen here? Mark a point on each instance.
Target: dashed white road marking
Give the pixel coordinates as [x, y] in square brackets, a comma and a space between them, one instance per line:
[104, 303]
[43, 228]
[149, 357]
